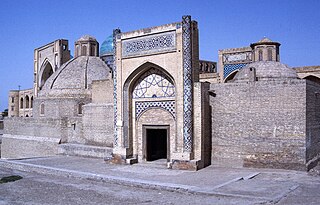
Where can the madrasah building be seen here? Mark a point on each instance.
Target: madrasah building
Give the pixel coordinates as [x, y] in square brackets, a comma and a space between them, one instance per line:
[146, 96]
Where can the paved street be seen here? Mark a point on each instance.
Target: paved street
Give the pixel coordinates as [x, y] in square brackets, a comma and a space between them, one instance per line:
[74, 180]
[41, 189]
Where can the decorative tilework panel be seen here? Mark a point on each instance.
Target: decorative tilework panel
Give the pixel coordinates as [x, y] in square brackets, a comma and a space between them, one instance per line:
[149, 44]
[187, 85]
[153, 84]
[229, 68]
[168, 105]
[116, 32]
[244, 57]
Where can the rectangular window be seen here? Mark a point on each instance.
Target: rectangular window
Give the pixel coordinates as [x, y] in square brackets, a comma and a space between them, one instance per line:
[12, 99]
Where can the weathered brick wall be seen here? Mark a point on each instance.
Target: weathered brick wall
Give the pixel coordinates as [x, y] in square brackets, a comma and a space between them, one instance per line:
[102, 91]
[98, 124]
[59, 107]
[259, 124]
[313, 123]
[30, 137]
[38, 127]
[202, 132]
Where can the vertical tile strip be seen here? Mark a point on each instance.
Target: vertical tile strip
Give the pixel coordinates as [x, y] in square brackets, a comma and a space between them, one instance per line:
[114, 72]
[187, 84]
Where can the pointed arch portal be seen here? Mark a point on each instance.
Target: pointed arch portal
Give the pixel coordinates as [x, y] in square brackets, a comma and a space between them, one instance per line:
[46, 73]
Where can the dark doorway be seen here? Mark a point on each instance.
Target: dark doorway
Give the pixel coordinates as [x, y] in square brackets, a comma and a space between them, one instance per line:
[156, 144]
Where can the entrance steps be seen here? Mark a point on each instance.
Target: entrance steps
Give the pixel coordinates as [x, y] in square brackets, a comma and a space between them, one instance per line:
[160, 163]
[84, 150]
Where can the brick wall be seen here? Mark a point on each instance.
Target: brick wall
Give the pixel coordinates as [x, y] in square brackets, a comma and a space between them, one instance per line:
[259, 124]
[98, 124]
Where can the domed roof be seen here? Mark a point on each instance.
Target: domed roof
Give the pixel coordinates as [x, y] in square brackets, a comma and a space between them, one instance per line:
[75, 77]
[87, 38]
[266, 70]
[107, 46]
[264, 40]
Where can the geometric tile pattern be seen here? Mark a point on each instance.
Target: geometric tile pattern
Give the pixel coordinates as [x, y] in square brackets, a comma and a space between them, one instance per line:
[187, 84]
[153, 84]
[229, 68]
[149, 44]
[243, 57]
[168, 105]
[114, 72]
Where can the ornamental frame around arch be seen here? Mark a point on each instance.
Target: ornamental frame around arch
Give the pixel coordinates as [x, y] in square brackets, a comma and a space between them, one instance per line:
[127, 97]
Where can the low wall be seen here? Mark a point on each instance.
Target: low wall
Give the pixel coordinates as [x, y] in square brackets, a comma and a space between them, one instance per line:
[29, 137]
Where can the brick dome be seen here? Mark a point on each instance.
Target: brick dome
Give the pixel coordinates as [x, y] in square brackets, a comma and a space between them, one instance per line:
[266, 70]
[75, 76]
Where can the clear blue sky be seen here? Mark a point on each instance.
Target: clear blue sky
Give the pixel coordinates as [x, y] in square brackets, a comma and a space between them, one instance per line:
[26, 25]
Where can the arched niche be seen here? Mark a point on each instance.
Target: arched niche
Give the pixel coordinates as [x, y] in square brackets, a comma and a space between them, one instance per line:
[46, 72]
[27, 100]
[158, 76]
[312, 78]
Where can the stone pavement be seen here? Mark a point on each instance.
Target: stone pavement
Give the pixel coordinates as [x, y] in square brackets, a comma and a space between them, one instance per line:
[266, 186]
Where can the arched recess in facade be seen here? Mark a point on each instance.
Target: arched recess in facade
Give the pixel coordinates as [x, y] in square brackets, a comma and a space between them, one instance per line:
[27, 101]
[231, 76]
[312, 78]
[129, 92]
[45, 72]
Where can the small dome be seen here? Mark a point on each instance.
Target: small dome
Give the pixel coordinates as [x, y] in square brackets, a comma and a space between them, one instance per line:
[87, 38]
[266, 70]
[107, 46]
[264, 40]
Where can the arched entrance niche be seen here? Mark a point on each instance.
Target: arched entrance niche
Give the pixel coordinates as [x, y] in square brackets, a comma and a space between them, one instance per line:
[155, 134]
[313, 78]
[148, 87]
[46, 72]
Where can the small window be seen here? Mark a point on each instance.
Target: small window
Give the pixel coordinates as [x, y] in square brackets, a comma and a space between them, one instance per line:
[42, 109]
[12, 99]
[269, 55]
[92, 52]
[31, 102]
[64, 47]
[80, 108]
[77, 52]
[12, 108]
[260, 55]
[27, 102]
[56, 59]
[84, 50]
[21, 103]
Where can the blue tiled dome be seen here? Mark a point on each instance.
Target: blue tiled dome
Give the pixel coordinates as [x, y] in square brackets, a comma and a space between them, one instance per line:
[107, 46]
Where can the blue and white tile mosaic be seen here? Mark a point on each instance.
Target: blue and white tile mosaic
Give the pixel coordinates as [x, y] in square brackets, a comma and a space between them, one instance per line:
[153, 84]
[229, 68]
[168, 105]
[187, 84]
[150, 44]
[114, 73]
